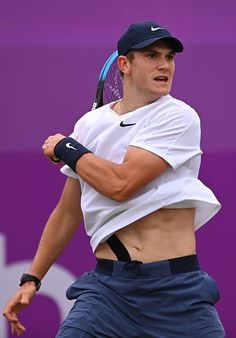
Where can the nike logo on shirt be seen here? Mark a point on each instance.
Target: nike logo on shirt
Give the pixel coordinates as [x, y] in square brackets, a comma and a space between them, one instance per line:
[122, 124]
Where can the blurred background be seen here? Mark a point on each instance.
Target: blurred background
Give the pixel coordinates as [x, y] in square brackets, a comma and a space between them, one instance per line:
[51, 53]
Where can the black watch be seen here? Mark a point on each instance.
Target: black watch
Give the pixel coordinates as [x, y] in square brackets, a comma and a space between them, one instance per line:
[30, 278]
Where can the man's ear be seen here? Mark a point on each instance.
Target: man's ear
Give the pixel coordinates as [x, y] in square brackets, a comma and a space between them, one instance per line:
[123, 64]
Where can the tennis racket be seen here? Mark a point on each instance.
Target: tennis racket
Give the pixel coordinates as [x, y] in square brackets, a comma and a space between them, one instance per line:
[109, 86]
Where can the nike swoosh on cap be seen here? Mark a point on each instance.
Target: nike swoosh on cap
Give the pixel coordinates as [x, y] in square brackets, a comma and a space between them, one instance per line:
[153, 29]
[122, 124]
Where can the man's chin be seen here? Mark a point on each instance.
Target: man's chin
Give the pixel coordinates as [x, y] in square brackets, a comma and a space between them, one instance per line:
[161, 93]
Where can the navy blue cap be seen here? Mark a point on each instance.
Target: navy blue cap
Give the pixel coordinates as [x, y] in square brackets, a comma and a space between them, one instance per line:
[142, 34]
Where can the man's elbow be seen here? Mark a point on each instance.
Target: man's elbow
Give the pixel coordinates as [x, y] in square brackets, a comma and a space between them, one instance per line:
[121, 192]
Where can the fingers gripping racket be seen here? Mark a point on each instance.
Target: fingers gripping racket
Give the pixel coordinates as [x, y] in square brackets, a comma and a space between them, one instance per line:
[109, 88]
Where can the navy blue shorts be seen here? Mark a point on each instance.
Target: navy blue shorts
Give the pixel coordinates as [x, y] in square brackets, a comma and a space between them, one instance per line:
[166, 299]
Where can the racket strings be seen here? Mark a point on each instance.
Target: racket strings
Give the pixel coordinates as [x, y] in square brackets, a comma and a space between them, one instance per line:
[113, 87]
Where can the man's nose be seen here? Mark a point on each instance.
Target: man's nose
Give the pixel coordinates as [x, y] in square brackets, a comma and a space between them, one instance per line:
[162, 63]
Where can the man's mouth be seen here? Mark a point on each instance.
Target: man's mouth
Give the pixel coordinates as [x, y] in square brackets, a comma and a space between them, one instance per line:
[161, 78]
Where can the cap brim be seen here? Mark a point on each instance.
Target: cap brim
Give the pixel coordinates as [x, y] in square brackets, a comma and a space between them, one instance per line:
[173, 42]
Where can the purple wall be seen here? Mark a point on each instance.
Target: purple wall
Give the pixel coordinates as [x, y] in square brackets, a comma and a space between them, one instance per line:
[51, 53]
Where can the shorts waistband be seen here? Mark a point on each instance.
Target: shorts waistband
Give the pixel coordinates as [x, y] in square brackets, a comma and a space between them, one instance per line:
[163, 268]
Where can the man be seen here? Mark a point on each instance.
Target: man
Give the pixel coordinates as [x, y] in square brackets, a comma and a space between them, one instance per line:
[132, 166]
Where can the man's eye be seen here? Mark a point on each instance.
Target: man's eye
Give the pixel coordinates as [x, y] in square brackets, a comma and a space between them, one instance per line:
[170, 57]
[151, 55]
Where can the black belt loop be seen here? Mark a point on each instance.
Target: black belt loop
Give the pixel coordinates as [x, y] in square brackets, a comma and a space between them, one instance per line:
[118, 248]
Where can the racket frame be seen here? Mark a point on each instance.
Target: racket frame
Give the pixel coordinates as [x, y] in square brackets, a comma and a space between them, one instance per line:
[99, 97]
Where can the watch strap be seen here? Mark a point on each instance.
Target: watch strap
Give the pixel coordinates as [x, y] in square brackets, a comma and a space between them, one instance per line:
[26, 277]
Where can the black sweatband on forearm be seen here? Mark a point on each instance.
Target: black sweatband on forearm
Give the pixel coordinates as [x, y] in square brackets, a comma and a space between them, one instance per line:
[69, 151]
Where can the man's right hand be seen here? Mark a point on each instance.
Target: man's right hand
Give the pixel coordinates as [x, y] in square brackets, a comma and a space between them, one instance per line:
[17, 303]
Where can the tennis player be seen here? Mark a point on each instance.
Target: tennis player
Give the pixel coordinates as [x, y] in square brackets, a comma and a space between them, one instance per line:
[132, 168]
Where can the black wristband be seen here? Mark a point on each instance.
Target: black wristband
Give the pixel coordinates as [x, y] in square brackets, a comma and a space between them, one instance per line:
[30, 278]
[69, 151]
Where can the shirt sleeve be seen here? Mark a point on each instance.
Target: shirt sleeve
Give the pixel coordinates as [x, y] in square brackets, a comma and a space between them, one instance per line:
[175, 136]
[79, 130]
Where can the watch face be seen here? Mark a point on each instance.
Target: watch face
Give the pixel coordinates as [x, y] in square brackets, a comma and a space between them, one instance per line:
[23, 277]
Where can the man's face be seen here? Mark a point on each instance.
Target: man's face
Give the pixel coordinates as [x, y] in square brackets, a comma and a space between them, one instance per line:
[151, 71]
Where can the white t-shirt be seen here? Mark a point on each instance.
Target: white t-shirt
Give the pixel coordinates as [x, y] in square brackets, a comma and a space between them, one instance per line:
[168, 128]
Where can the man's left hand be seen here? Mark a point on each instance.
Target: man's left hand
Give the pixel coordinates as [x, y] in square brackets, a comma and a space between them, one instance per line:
[49, 145]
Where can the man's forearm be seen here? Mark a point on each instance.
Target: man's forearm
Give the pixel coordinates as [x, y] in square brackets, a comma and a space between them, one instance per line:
[57, 233]
[104, 176]
[118, 181]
